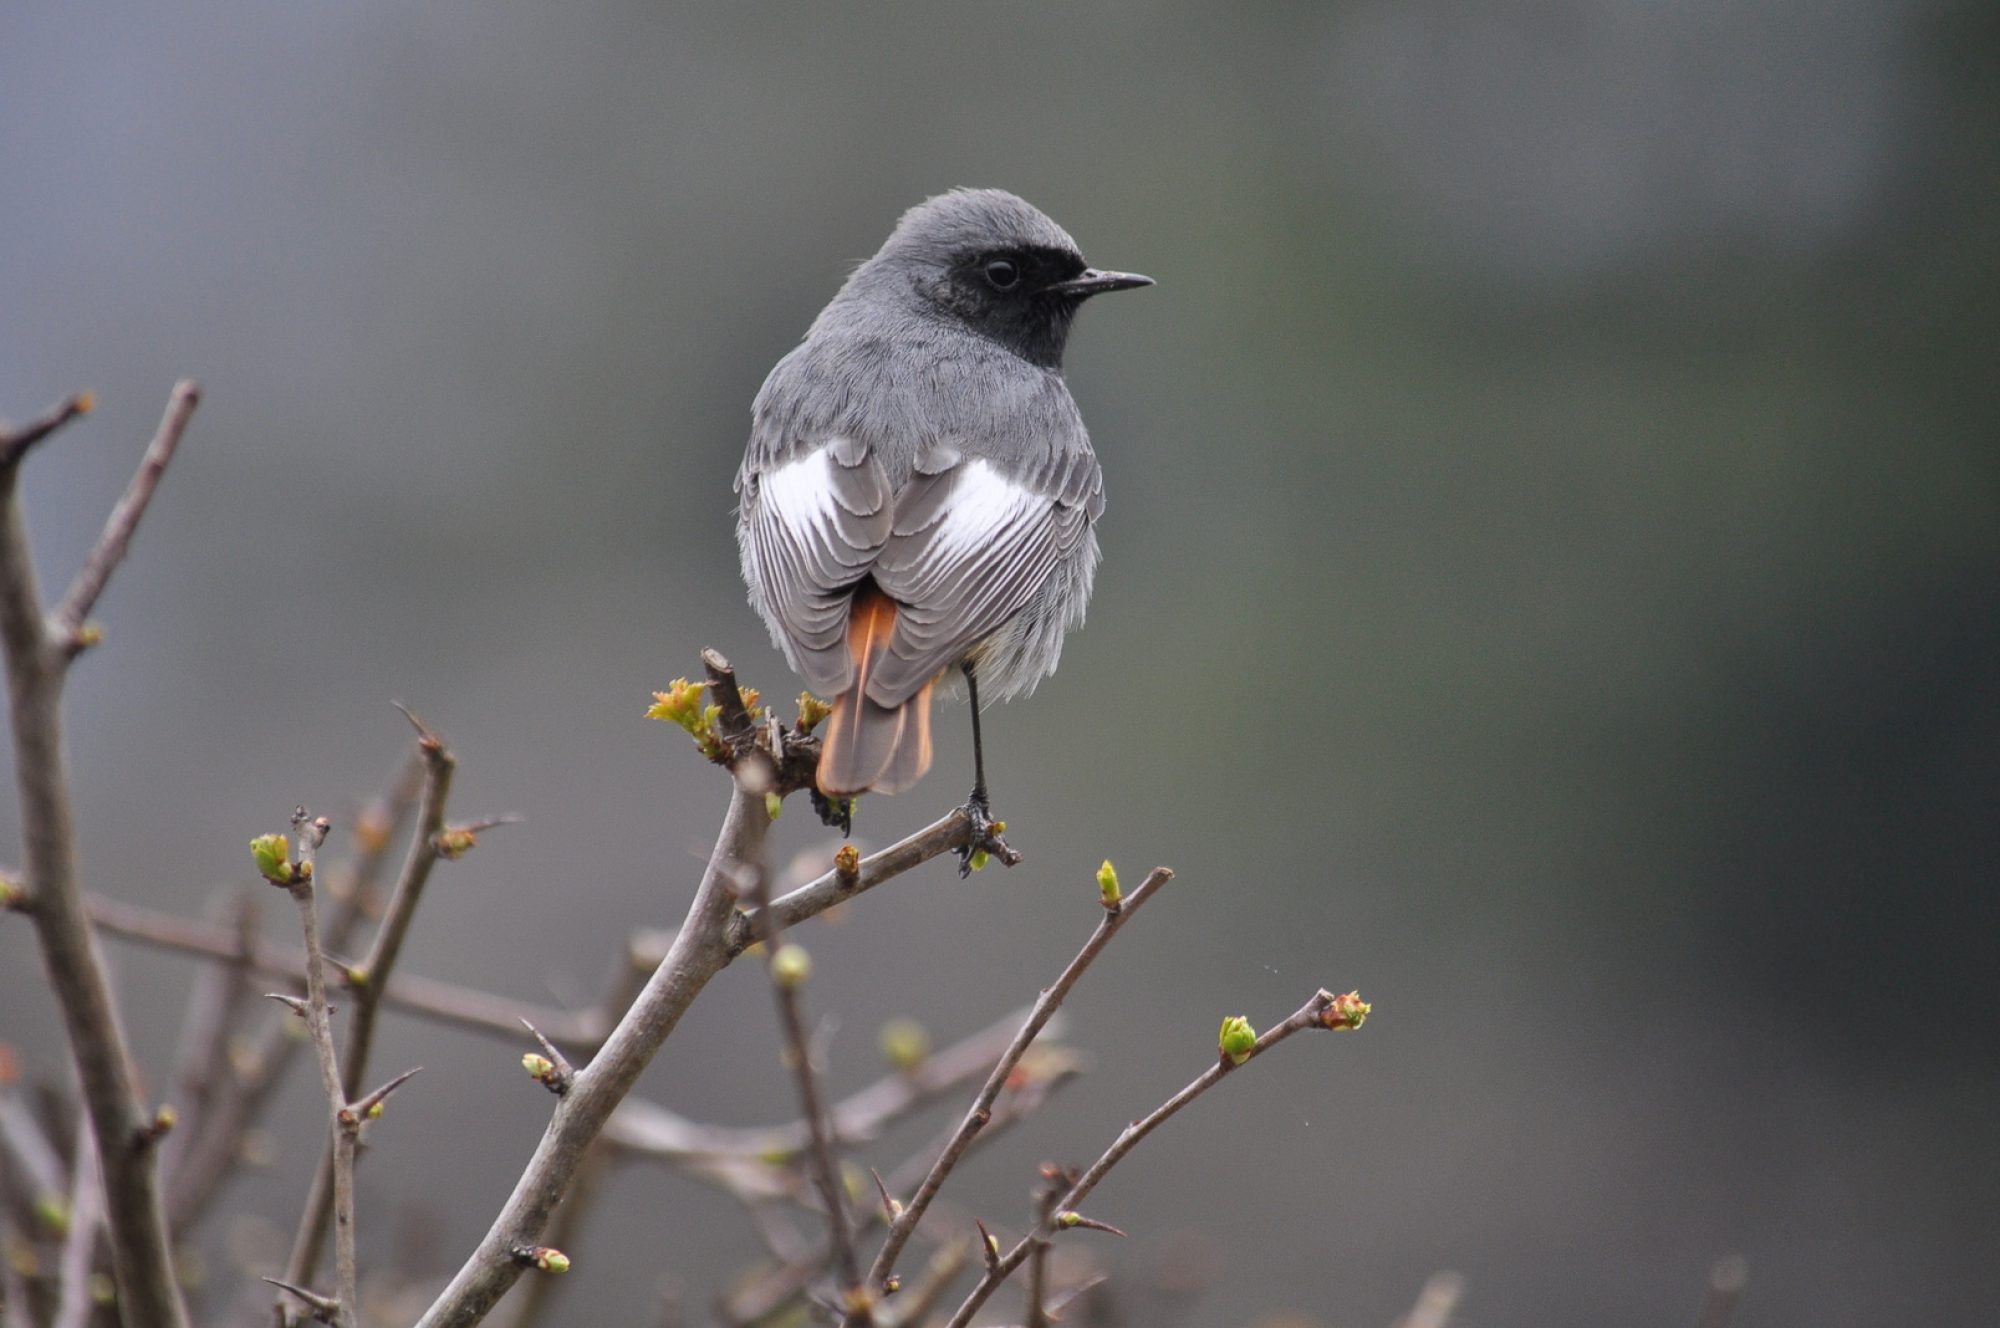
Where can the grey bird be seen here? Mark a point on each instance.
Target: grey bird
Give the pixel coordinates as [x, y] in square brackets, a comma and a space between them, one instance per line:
[918, 493]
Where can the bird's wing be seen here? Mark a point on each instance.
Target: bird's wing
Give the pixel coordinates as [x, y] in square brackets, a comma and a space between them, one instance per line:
[970, 545]
[812, 524]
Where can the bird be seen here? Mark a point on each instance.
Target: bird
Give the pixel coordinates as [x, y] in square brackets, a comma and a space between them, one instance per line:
[918, 494]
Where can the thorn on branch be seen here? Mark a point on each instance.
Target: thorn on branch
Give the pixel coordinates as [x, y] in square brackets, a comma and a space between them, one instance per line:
[989, 1246]
[370, 1107]
[325, 1309]
[296, 1004]
[1068, 1219]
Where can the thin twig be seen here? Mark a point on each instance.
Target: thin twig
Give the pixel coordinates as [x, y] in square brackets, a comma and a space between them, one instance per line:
[37, 656]
[66, 623]
[319, 1024]
[1115, 917]
[1315, 1013]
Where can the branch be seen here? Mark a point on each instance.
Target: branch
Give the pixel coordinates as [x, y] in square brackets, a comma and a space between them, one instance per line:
[1324, 1010]
[66, 624]
[1117, 912]
[36, 660]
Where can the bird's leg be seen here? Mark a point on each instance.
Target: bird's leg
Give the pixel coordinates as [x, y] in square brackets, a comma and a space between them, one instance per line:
[976, 807]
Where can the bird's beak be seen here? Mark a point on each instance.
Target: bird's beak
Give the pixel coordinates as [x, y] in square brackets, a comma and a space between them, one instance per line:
[1094, 282]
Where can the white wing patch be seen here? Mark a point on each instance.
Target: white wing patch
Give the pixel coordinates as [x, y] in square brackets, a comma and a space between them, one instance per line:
[983, 504]
[800, 493]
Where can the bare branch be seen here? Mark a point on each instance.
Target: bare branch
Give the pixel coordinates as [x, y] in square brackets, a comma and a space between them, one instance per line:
[66, 624]
[1324, 1010]
[35, 665]
[1115, 917]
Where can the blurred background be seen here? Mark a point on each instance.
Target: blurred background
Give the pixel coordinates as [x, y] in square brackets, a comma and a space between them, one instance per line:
[1550, 585]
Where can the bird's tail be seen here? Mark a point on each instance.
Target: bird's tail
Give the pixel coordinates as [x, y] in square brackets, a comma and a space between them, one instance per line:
[871, 748]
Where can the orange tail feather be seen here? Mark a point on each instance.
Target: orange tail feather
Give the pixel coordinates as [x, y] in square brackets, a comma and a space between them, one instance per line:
[866, 747]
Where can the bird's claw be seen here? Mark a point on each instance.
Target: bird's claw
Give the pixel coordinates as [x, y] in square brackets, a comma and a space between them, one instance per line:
[983, 840]
[834, 813]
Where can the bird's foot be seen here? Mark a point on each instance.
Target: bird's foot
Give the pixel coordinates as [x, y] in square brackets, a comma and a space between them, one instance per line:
[834, 813]
[983, 841]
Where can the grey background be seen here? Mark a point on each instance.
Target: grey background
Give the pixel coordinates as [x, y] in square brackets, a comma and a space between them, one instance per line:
[1552, 557]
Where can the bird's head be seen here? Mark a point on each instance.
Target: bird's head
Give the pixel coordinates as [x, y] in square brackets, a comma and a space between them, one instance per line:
[994, 263]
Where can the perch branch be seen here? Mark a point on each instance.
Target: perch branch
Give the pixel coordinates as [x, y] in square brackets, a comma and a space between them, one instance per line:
[38, 651]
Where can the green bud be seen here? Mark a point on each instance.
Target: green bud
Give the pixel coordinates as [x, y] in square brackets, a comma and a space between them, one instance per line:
[905, 1043]
[551, 1260]
[103, 1291]
[273, 856]
[979, 859]
[773, 804]
[1237, 1039]
[539, 1067]
[791, 965]
[454, 842]
[1107, 884]
[375, 1111]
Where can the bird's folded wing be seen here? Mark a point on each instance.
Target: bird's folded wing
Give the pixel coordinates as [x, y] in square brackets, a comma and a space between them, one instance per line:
[970, 545]
[815, 525]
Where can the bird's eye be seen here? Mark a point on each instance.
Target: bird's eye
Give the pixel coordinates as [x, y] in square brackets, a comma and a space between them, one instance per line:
[1001, 274]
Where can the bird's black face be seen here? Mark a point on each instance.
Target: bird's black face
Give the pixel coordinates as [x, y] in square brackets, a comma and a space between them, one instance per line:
[1024, 296]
